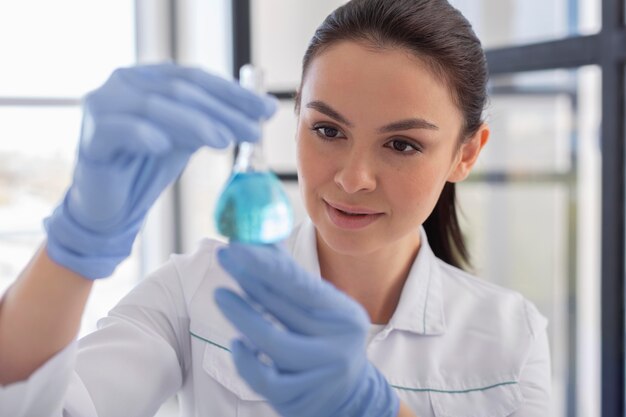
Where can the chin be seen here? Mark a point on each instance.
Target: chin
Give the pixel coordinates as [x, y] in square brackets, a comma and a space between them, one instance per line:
[345, 242]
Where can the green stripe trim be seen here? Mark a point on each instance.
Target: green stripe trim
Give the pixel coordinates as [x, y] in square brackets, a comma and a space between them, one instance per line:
[393, 386]
[453, 392]
[208, 341]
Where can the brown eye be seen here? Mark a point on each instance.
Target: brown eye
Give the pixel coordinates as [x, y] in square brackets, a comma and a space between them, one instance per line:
[403, 147]
[331, 132]
[400, 146]
[328, 132]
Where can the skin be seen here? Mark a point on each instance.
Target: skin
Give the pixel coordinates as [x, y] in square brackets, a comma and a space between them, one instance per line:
[39, 315]
[349, 93]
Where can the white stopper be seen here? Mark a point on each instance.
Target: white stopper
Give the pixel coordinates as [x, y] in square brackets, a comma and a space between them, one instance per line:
[251, 78]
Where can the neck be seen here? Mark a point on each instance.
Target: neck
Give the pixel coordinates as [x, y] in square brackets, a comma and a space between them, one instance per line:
[375, 279]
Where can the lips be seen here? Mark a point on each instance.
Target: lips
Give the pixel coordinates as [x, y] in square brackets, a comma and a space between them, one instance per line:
[351, 217]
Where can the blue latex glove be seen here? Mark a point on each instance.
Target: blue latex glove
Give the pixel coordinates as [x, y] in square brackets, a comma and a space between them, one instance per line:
[308, 357]
[138, 132]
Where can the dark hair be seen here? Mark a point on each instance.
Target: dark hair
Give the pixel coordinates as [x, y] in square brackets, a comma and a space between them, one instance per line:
[441, 37]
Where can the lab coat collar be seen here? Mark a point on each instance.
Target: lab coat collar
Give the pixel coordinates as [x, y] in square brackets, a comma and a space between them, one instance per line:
[420, 309]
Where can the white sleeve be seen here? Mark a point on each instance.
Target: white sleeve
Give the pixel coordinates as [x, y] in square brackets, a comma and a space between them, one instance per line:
[535, 379]
[41, 394]
[128, 367]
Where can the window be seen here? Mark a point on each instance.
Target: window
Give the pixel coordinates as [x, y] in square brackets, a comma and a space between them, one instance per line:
[53, 53]
[515, 22]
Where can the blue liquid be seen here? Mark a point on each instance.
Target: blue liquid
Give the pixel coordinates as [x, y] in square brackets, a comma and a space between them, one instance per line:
[254, 208]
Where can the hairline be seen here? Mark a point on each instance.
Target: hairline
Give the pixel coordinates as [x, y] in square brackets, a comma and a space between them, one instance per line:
[377, 43]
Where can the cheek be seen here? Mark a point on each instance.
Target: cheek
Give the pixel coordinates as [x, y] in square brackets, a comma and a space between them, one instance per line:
[415, 192]
[408, 193]
[311, 175]
[314, 166]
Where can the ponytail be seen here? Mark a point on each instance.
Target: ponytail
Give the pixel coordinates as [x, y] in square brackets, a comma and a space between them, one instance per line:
[444, 232]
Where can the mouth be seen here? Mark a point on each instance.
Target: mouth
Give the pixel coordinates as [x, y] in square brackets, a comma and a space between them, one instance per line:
[352, 210]
[349, 217]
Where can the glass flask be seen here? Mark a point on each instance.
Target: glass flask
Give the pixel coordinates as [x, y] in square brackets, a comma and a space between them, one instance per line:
[253, 206]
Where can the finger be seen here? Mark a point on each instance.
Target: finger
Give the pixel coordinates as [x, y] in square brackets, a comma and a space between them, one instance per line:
[191, 95]
[305, 321]
[243, 127]
[280, 388]
[259, 375]
[275, 268]
[252, 104]
[288, 351]
[121, 134]
[185, 126]
[154, 176]
[188, 127]
[95, 179]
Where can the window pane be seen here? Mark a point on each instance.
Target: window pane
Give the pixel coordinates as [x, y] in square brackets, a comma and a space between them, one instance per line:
[504, 23]
[532, 125]
[537, 230]
[35, 162]
[63, 48]
[201, 185]
[281, 30]
[36, 159]
[279, 144]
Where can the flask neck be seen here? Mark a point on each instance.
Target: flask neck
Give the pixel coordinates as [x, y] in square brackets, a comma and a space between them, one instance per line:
[250, 158]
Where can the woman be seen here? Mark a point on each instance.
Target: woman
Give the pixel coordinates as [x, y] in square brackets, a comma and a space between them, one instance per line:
[389, 118]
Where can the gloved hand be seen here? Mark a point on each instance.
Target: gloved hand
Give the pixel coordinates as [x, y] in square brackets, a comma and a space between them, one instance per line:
[308, 358]
[138, 132]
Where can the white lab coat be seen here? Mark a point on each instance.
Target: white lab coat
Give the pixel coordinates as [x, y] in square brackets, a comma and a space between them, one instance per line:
[455, 346]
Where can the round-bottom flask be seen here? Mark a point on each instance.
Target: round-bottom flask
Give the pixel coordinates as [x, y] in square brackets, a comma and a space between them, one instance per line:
[253, 206]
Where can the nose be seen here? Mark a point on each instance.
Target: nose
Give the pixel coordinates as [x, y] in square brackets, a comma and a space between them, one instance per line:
[356, 174]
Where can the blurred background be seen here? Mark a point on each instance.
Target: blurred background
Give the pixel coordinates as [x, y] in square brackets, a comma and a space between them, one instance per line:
[543, 211]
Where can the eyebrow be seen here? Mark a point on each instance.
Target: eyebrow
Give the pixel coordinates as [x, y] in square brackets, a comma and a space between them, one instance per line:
[406, 124]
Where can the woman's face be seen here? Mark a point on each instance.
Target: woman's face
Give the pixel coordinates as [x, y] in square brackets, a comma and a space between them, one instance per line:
[377, 139]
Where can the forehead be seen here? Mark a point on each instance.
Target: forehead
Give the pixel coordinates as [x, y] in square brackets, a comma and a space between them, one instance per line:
[385, 81]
